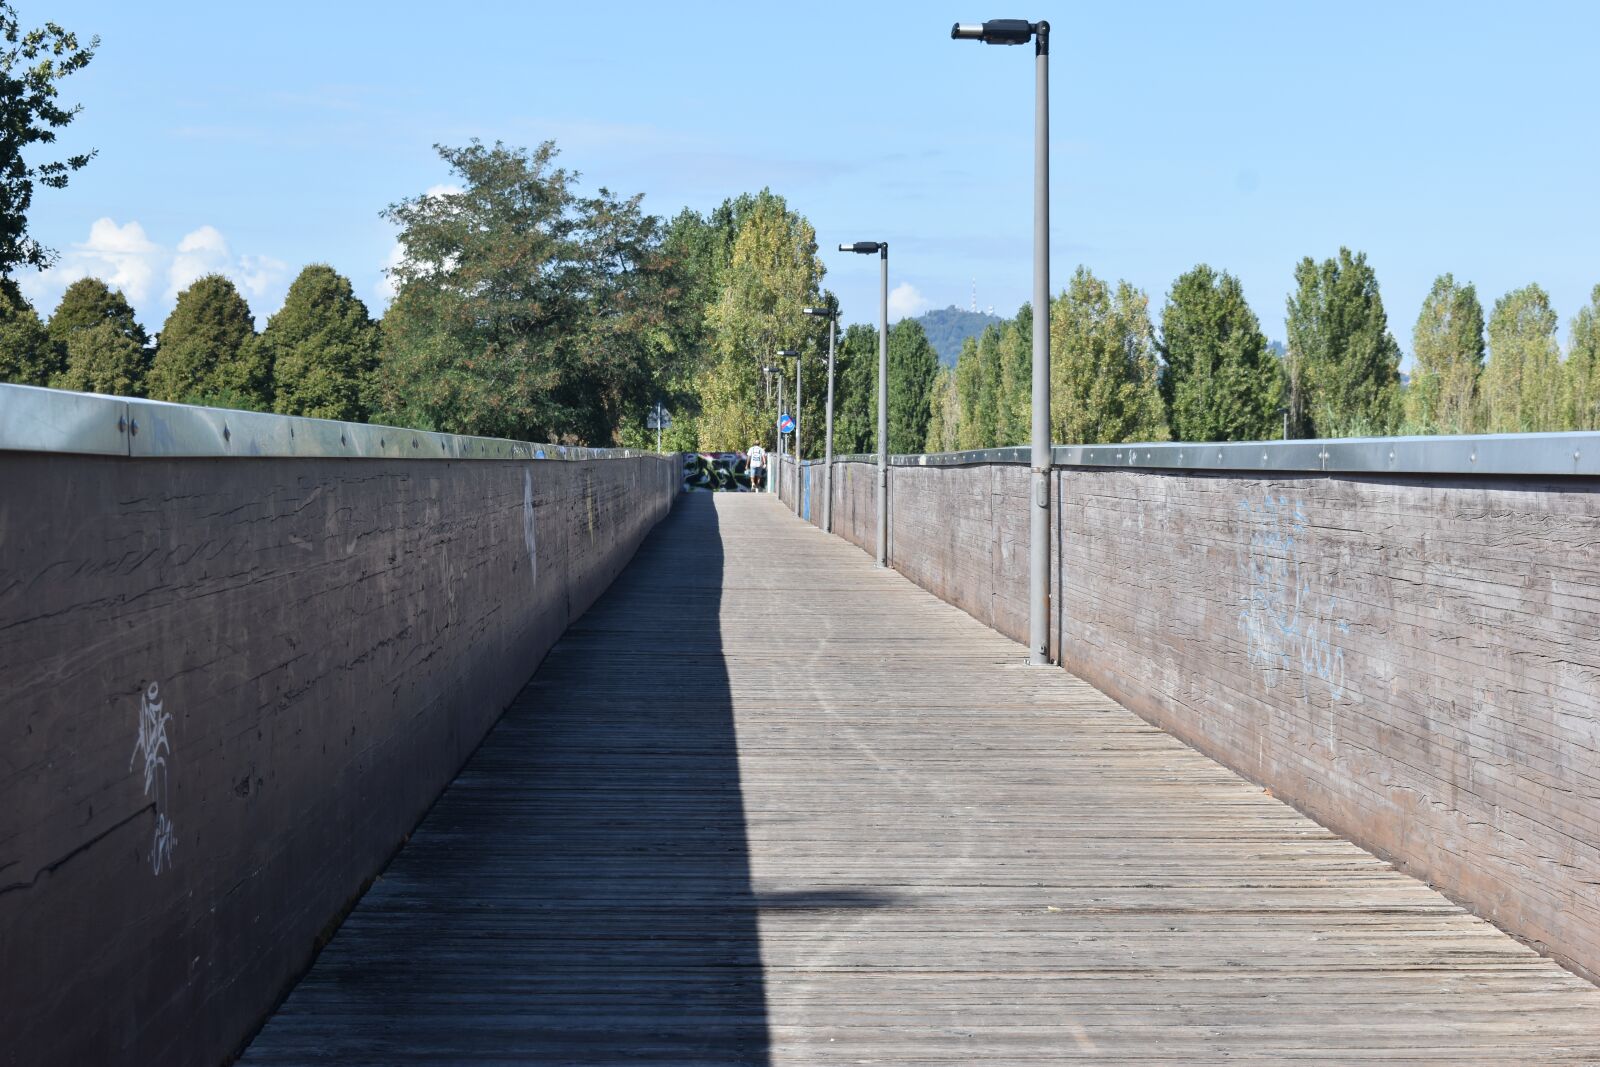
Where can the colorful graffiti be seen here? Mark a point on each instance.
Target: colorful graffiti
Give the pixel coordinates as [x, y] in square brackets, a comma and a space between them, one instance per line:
[716, 472]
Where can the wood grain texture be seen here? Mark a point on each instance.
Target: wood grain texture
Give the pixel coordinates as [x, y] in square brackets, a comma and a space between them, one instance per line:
[328, 639]
[1411, 661]
[766, 804]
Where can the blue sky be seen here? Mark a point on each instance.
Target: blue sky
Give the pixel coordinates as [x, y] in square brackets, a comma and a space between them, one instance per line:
[1435, 136]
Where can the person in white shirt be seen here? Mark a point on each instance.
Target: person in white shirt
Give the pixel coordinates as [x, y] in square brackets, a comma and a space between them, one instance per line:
[757, 457]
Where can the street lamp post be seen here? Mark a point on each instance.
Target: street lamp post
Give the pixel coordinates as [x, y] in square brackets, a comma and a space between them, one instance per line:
[831, 312]
[1020, 31]
[767, 371]
[794, 354]
[882, 248]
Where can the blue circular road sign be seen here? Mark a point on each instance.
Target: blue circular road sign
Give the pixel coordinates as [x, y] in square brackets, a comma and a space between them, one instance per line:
[786, 423]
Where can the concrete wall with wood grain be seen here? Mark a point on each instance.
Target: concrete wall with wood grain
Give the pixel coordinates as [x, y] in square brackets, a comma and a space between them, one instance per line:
[855, 501]
[1411, 660]
[233, 687]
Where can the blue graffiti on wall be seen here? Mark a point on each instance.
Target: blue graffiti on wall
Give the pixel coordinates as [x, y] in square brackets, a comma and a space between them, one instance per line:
[1291, 621]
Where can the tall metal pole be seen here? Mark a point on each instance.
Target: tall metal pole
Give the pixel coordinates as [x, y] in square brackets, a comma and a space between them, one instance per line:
[778, 426]
[827, 447]
[1039, 524]
[798, 455]
[883, 408]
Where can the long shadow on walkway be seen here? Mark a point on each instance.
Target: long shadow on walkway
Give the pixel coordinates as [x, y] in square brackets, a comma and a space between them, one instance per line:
[581, 893]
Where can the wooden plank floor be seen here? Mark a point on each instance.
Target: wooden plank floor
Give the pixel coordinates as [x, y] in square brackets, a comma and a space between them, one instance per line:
[767, 804]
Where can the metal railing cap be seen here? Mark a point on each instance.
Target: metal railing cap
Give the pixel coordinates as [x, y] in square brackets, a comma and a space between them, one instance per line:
[1570, 453]
[36, 419]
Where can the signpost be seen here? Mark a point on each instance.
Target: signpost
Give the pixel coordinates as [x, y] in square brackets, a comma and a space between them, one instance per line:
[786, 423]
[658, 419]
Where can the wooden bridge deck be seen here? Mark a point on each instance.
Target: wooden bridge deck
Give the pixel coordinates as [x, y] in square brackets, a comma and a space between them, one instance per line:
[767, 804]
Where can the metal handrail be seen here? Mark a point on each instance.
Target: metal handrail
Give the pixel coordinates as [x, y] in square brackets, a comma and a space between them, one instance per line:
[1575, 453]
[35, 419]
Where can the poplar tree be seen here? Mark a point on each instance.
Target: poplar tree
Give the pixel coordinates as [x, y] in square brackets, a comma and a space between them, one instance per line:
[855, 406]
[1221, 383]
[977, 380]
[1447, 346]
[772, 273]
[1344, 364]
[1583, 367]
[944, 413]
[1104, 386]
[206, 352]
[1014, 419]
[1522, 382]
[322, 347]
[27, 355]
[913, 366]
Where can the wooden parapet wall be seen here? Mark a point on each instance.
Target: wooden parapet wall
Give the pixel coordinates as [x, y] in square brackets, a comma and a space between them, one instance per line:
[233, 686]
[1411, 659]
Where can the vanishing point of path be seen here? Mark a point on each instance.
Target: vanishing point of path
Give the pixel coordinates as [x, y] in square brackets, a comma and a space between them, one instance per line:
[767, 804]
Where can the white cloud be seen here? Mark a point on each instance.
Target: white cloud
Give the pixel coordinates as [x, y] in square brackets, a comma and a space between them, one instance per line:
[261, 277]
[385, 288]
[906, 302]
[201, 252]
[443, 190]
[125, 258]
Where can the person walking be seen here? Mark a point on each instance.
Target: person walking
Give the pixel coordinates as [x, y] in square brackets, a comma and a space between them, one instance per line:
[757, 463]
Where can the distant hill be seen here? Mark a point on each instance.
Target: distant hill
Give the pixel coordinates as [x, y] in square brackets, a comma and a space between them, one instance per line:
[948, 327]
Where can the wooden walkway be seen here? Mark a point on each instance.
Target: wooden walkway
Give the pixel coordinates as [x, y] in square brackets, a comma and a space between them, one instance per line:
[767, 804]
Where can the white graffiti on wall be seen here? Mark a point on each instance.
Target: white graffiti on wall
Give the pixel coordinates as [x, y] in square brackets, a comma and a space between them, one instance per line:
[527, 525]
[152, 744]
[1291, 621]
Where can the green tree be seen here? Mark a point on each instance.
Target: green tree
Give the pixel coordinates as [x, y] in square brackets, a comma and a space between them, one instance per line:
[1344, 366]
[1104, 386]
[1447, 346]
[32, 63]
[1522, 382]
[855, 405]
[1583, 368]
[322, 347]
[944, 414]
[1014, 418]
[104, 359]
[772, 273]
[913, 367]
[207, 351]
[87, 303]
[1221, 383]
[976, 394]
[27, 357]
[523, 309]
